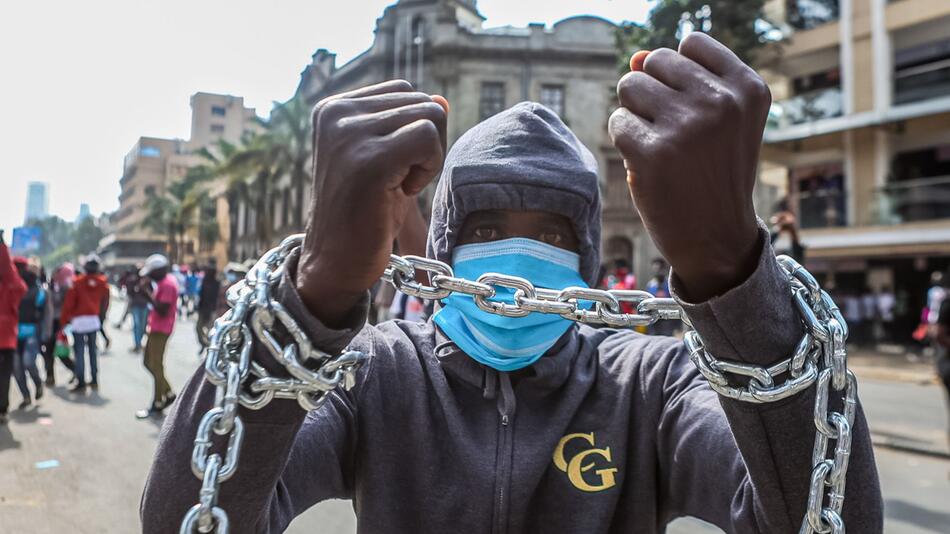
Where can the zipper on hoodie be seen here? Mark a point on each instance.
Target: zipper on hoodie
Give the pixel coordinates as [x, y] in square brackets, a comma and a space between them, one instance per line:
[506, 410]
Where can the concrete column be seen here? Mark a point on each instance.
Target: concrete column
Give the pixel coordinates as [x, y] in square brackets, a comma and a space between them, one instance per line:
[883, 62]
[847, 55]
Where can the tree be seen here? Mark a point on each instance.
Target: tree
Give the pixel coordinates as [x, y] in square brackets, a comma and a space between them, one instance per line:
[54, 234]
[87, 236]
[290, 124]
[179, 209]
[739, 24]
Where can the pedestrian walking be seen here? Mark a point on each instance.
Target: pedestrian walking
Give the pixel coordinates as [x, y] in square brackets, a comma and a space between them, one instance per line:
[207, 297]
[129, 278]
[31, 314]
[192, 285]
[84, 307]
[483, 422]
[161, 321]
[179, 277]
[138, 309]
[58, 287]
[12, 289]
[659, 286]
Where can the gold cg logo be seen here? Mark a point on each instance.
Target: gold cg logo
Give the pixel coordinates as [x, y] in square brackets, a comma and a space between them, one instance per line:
[577, 465]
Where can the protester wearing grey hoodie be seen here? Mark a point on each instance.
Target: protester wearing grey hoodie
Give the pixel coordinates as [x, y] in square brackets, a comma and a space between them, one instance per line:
[609, 431]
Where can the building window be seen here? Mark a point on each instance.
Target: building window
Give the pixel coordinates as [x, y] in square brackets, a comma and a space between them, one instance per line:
[217, 128]
[492, 99]
[552, 96]
[922, 72]
[149, 190]
[150, 152]
[218, 111]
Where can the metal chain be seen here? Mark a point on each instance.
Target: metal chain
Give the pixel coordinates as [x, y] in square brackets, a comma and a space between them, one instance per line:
[818, 358]
[228, 365]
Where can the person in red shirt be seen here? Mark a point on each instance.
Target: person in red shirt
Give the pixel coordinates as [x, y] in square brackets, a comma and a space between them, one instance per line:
[12, 289]
[83, 309]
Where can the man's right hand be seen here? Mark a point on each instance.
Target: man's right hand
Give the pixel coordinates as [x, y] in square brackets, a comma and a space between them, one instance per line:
[374, 149]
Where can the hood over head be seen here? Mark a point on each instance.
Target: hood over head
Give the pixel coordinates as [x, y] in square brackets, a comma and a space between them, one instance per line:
[524, 158]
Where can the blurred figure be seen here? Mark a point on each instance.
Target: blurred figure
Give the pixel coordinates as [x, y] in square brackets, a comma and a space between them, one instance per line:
[407, 308]
[870, 319]
[31, 314]
[659, 286]
[207, 296]
[942, 339]
[192, 284]
[161, 322]
[785, 221]
[124, 283]
[138, 308]
[59, 285]
[180, 281]
[84, 307]
[886, 302]
[622, 279]
[12, 289]
[851, 309]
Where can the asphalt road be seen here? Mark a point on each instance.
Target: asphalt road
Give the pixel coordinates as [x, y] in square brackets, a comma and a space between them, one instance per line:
[77, 463]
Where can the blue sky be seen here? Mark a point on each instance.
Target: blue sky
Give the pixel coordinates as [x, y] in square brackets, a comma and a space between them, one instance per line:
[83, 80]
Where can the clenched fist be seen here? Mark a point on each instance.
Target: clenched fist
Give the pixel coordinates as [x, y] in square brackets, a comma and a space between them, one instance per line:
[374, 149]
[689, 129]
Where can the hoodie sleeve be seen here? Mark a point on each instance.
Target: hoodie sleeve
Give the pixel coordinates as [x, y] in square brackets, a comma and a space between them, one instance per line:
[290, 459]
[752, 460]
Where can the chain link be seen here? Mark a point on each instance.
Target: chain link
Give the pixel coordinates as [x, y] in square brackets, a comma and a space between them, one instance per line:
[818, 359]
[229, 367]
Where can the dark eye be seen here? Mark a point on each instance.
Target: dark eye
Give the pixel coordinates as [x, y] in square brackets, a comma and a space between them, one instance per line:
[552, 238]
[486, 233]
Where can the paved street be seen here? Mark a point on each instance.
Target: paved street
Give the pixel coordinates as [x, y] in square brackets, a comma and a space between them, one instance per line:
[77, 464]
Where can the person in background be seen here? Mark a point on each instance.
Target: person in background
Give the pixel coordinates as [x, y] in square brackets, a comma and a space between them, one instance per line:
[84, 307]
[659, 286]
[29, 331]
[942, 338]
[60, 283]
[12, 289]
[192, 284]
[207, 296]
[869, 315]
[138, 308]
[161, 322]
[785, 221]
[851, 309]
[124, 284]
[886, 302]
[179, 277]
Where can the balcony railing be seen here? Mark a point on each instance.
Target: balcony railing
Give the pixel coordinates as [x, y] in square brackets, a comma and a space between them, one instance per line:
[806, 107]
[923, 199]
[808, 14]
[922, 82]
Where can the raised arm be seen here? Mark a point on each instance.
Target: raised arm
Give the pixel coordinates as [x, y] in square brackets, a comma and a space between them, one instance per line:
[689, 129]
[8, 275]
[375, 149]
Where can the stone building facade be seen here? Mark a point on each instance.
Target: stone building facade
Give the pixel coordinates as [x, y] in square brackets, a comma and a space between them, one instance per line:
[442, 47]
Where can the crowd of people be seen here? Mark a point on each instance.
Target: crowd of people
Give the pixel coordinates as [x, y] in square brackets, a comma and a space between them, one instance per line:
[63, 316]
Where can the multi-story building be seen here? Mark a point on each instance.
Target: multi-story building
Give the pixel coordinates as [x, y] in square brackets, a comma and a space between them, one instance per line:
[859, 141]
[154, 163]
[37, 201]
[441, 46]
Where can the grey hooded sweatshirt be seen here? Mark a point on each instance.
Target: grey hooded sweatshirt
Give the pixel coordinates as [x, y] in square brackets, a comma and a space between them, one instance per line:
[610, 432]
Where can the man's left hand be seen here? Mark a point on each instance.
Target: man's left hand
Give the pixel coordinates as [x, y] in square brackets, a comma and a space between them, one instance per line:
[689, 129]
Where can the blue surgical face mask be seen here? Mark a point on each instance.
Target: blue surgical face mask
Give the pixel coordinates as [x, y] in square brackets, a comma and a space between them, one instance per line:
[508, 343]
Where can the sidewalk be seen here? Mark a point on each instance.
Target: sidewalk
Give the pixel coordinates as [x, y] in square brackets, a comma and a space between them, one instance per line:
[903, 400]
[902, 366]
